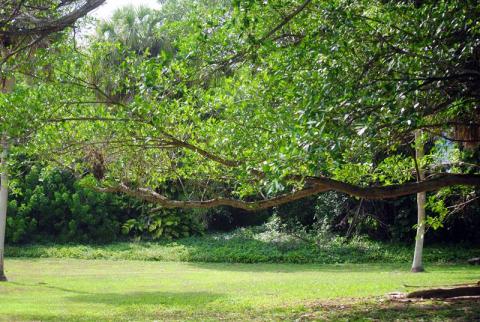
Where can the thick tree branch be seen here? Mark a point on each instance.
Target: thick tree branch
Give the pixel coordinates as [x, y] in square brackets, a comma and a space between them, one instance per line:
[47, 26]
[400, 190]
[317, 185]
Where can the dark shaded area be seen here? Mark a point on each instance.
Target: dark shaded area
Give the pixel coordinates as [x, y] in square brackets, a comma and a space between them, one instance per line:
[391, 220]
[228, 219]
[460, 310]
[175, 299]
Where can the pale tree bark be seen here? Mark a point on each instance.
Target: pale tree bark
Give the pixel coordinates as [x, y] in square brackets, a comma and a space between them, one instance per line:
[417, 265]
[3, 203]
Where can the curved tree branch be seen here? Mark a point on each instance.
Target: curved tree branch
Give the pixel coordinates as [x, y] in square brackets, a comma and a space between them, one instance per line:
[317, 185]
[47, 25]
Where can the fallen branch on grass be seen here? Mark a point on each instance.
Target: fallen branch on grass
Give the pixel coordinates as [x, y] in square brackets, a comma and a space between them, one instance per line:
[452, 292]
[443, 293]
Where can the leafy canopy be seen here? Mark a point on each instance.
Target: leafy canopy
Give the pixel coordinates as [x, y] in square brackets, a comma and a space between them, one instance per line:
[248, 99]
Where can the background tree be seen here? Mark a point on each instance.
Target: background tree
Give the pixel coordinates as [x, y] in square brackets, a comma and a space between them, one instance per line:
[327, 123]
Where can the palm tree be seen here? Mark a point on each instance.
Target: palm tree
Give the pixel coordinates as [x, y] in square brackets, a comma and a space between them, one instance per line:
[132, 32]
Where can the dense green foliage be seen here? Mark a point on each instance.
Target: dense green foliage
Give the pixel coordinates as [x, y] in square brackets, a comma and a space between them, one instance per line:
[381, 220]
[248, 100]
[51, 205]
[243, 104]
[251, 246]
[170, 224]
[245, 99]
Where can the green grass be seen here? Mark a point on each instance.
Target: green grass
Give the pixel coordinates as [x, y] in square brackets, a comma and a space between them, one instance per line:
[98, 290]
[247, 247]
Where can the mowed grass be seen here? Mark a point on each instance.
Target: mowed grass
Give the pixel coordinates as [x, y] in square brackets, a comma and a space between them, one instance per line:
[99, 290]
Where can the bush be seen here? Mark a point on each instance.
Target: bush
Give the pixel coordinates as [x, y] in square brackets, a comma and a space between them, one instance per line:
[169, 224]
[389, 220]
[54, 206]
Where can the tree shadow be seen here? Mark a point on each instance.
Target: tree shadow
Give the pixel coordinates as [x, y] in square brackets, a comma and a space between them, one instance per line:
[300, 268]
[194, 299]
[463, 310]
[53, 287]
[334, 268]
[171, 299]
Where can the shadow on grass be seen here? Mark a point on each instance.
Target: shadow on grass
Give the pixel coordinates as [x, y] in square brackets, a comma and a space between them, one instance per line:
[336, 268]
[386, 311]
[464, 310]
[170, 299]
[300, 268]
[44, 285]
[174, 299]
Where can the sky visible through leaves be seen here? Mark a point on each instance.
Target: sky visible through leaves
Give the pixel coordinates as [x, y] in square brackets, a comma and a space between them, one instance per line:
[106, 10]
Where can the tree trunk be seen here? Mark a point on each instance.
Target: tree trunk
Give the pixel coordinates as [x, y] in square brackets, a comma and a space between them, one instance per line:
[3, 203]
[417, 265]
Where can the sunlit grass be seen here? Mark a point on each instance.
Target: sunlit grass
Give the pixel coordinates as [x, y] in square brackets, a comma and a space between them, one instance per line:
[93, 290]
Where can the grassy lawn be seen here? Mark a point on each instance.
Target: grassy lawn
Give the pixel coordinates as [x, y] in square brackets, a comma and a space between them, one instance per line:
[97, 290]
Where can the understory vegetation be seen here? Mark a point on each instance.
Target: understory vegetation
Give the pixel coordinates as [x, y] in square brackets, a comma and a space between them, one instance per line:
[252, 245]
[53, 214]
[51, 205]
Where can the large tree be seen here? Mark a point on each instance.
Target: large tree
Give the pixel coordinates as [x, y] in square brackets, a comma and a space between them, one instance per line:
[277, 101]
[256, 104]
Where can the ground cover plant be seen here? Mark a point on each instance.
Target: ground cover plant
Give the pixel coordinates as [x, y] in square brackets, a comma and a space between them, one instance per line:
[250, 246]
[103, 290]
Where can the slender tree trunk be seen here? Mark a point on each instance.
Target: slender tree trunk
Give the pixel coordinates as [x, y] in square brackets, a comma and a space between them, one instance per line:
[3, 203]
[417, 265]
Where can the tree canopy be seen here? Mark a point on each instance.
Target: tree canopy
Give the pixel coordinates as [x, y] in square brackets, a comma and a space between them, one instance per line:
[258, 103]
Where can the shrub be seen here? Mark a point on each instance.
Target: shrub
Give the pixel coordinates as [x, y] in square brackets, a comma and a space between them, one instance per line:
[169, 224]
[55, 206]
